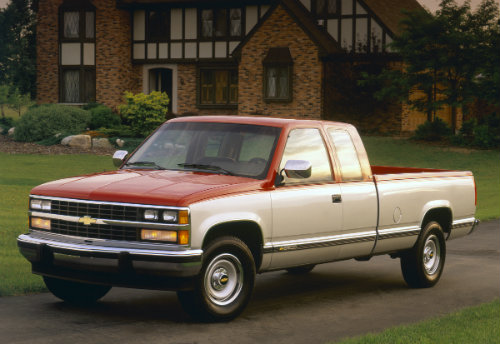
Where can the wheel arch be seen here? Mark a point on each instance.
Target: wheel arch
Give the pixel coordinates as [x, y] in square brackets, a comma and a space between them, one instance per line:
[442, 215]
[247, 231]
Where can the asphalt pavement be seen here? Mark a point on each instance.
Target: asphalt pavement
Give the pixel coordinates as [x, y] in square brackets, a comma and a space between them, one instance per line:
[333, 301]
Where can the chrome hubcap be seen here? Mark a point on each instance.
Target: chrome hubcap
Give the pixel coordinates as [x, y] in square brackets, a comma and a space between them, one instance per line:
[432, 255]
[223, 279]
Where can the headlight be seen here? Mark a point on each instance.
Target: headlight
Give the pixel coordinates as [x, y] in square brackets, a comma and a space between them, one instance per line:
[180, 217]
[39, 204]
[151, 215]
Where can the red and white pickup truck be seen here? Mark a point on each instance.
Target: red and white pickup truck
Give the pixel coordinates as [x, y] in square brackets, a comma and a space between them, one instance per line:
[205, 203]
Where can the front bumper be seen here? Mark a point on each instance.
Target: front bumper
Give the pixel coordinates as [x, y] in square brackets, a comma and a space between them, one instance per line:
[117, 263]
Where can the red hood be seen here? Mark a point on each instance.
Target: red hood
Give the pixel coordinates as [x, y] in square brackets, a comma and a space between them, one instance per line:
[174, 188]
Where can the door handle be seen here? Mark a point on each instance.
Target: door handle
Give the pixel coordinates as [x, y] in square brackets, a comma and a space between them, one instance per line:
[336, 198]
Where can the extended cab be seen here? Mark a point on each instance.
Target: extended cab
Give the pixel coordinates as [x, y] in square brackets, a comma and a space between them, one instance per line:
[205, 203]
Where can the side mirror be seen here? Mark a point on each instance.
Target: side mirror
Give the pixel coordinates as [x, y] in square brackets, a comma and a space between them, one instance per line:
[119, 157]
[298, 169]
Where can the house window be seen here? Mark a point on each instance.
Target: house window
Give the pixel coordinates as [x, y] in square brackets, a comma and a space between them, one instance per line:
[77, 52]
[278, 65]
[221, 23]
[158, 26]
[325, 8]
[218, 87]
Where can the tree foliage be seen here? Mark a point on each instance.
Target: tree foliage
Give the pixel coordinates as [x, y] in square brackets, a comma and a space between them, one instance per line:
[18, 45]
[451, 57]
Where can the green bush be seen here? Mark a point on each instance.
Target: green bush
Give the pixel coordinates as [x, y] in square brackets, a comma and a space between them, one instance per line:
[432, 131]
[118, 132]
[484, 133]
[6, 123]
[102, 116]
[144, 112]
[45, 121]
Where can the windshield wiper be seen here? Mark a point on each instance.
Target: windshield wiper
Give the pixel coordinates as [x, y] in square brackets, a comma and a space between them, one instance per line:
[145, 164]
[207, 167]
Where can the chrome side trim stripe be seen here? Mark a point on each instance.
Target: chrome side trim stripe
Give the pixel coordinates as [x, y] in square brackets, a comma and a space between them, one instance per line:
[342, 239]
[400, 232]
[469, 222]
[310, 243]
[151, 225]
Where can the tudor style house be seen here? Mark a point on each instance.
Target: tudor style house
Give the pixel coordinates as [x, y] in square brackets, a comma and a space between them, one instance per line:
[287, 58]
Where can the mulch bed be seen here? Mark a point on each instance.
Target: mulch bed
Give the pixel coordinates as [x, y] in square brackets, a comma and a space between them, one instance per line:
[7, 145]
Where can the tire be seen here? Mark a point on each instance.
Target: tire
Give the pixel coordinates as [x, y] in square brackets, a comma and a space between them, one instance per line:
[301, 270]
[423, 265]
[225, 283]
[75, 292]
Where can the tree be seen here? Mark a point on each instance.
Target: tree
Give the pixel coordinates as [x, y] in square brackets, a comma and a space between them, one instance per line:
[18, 45]
[443, 56]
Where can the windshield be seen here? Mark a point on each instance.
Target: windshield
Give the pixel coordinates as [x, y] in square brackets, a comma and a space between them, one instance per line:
[224, 148]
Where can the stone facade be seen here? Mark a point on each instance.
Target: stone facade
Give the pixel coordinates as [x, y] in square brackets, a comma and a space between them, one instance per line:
[47, 50]
[280, 30]
[115, 73]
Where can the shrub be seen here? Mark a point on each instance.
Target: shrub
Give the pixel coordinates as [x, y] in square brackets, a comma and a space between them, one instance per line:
[119, 131]
[102, 116]
[44, 121]
[432, 131]
[484, 133]
[145, 112]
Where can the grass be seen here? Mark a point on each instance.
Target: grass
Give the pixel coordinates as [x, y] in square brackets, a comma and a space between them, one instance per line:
[18, 174]
[478, 324]
[484, 164]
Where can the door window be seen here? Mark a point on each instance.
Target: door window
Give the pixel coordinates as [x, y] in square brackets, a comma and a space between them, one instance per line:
[347, 155]
[307, 144]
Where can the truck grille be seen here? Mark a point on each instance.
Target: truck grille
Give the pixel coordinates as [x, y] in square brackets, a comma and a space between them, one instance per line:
[96, 210]
[110, 232]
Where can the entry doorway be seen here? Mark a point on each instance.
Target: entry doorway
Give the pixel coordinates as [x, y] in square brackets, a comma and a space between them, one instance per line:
[160, 79]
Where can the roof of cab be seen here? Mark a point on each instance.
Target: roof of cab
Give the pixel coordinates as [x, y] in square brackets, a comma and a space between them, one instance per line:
[267, 121]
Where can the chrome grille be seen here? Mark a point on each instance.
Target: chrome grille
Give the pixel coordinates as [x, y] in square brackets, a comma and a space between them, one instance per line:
[111, 232]
[96, 210]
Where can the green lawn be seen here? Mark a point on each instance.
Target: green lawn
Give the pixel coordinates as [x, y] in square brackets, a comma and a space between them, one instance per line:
[479, 324]
[18, 174]
[484, 164]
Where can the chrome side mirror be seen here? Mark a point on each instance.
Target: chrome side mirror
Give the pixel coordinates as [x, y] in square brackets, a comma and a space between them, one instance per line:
[298, 169]
[119, 157]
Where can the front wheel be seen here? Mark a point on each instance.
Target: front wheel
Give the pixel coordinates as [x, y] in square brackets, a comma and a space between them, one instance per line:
[225, 283]
[75, 292]
[423, 265]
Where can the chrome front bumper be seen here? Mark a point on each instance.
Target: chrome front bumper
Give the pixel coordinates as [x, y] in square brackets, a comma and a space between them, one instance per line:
[119, 263]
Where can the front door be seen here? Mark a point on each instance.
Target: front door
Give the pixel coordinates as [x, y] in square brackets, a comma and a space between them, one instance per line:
[160, 79]
[306, 213]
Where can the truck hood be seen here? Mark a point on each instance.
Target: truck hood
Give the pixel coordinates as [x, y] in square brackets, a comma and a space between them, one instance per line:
[174, 188]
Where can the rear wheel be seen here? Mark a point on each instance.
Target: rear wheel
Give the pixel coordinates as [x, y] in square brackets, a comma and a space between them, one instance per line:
[225, 283]
[423, 265]
[75, 292]
[301, 270]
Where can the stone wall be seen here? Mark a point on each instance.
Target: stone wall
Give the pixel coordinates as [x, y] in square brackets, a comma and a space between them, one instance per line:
[114, 70]
[280, 30]
[115, 73]
[47, 50]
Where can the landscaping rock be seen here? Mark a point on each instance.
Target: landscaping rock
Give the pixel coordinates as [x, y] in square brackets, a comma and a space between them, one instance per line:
[81, 141]
[11, 131]
[1, 130]
[67, 140]
[120, 143]
[101, 143]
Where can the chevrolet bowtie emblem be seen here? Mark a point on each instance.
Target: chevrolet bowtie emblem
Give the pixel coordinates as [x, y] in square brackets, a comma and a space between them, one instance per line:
[87, 220]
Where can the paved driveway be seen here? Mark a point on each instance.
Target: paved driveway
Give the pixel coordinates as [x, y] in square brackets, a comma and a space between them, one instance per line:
[335, 300]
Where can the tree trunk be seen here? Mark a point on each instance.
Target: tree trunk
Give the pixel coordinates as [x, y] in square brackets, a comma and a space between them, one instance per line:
[453, 119]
